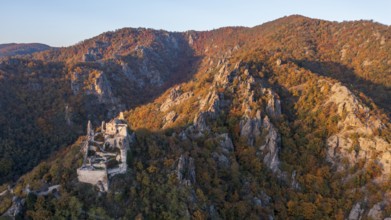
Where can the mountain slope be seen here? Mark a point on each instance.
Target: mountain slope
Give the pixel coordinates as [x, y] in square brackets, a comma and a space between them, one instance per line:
[51, 97]
[276, 121]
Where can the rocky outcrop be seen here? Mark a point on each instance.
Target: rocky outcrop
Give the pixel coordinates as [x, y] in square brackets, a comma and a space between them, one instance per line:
[153, 75]
[68, 115]
[102, 88]
[272, 145]
[356, 212]
[95, 53]
[257, 131]
[213, 213]
[175, 97]
[186, 170]
[356, 139]
[169, 119]
[356, 117]
[200, 122]
[222, 153]
[211, 102]
[128, 72]
[226, 143]
[16, 207]
[264, 135]
[92, 54]
[376, 212]
[262, 199]
[222, 160]
[250, 128]
[210, 107]
[360, 148]
[93, 82]
[273, 108]
[294, 184]
[224, 75]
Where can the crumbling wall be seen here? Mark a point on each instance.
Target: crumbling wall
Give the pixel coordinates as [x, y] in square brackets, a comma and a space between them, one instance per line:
[93, 177]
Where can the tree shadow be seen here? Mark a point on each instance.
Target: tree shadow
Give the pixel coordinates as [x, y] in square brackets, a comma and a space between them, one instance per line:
[378, 93]
[37, 98]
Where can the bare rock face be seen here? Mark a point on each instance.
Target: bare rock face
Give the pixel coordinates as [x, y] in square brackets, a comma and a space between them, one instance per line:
[16, 207]
[272, 146]
[356, 138]
[186, 170]
[344, 147]
[175, 93]
[92, 54]
[221, 159]
[261, 200]
[176, 97]
[294, 184]
[150, 73]
[258, 132]
[93, 82]
[213, 213]
[352, 111]
[356, 212]
[128, 71]
[169, 118]
[222, 153]
[273, 108]
[200, 121]
[68, 115]
[224, 76]
[250, 128]
[226, 143]
[211, 103]
[375, 212]
[210, 107]
[102, 88]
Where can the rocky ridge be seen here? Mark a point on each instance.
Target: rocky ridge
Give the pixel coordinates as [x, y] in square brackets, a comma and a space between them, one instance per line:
[258, 130]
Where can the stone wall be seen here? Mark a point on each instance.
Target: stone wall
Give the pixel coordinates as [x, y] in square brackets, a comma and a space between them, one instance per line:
[93, 177]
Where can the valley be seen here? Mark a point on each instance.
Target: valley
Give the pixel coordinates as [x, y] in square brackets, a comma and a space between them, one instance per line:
[286, 120]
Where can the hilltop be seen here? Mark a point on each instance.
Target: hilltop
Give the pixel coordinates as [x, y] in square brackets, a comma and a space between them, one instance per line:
[288, 119]
[21, 49]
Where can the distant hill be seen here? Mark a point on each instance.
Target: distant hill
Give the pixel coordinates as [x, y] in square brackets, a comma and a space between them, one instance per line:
[286, 120]
[21, 49]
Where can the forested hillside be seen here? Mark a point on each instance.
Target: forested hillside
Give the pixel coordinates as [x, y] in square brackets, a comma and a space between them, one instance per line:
[286, 120]
[21, 49]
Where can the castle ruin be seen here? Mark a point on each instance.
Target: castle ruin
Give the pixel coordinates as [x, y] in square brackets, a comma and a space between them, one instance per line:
[105, 153]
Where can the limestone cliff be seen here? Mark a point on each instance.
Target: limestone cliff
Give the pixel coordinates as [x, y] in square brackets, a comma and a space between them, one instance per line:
[358, 132]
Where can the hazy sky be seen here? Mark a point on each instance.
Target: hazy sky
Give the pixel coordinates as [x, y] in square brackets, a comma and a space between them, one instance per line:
[66, 22]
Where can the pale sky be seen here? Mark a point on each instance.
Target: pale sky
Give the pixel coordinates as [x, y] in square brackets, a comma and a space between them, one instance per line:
[66, 22]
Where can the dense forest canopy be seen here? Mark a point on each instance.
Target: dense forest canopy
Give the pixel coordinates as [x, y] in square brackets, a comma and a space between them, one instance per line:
[286, 120]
